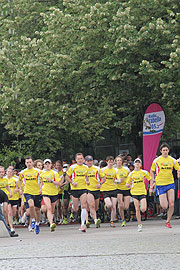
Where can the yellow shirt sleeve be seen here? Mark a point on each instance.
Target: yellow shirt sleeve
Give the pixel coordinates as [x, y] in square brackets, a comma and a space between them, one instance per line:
[153, 167]
[101, 174]
[176, 166]
[57, 177]
[69, 171]
[128, 180]
[148, 176]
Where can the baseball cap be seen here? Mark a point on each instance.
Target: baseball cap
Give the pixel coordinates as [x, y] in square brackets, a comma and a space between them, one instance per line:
[47, 160]
[137, 159]
[87, 158]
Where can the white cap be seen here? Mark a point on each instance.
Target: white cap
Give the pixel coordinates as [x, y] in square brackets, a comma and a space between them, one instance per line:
[137, 159]
[47, 160]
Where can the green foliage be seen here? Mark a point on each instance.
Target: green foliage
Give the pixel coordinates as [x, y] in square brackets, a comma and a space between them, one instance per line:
[71, 69]
[9, 154]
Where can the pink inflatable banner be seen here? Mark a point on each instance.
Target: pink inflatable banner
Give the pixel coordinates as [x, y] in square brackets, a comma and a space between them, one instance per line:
[153, 124]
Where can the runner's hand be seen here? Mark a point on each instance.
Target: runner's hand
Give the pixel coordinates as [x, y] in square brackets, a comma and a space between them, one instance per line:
[150, 191]
[98, 186]
[75, 184]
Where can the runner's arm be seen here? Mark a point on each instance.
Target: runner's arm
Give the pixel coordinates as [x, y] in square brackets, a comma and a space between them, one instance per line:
[70, 181]
[102, 181]
[9, 190]
[152, 173]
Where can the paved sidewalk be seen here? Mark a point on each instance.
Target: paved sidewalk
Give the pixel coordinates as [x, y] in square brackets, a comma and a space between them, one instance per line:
[156, 247]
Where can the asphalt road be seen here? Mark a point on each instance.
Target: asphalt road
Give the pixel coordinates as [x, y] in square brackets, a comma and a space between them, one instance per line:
[156, 247]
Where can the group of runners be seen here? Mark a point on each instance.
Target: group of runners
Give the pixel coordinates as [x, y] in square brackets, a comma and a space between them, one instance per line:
[39, 186]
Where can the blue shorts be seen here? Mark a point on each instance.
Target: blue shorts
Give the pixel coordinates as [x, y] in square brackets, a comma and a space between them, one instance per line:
[163, 189]
[35, 198]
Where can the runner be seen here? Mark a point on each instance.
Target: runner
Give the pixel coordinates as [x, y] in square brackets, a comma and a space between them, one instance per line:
[135, 181]
[123, 192]
[76, 176]
[14, 200]
[4, 187]
[38, 163]
[49, 182]
[109, 188]
[95, 180]
[66, 195]
[31, 178]
[59, 202]
[162, 167]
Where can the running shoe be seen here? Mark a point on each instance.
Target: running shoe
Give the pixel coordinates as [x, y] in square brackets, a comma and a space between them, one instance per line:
[123, 223]
[97, 223]
[88, 224]
[65, 221]
[83, 228]
[13, 234]
[30, 228]
[37, 230]
[52, 227]
[33, 225]
[12, 231]
[112, 224]
[61, 221]
[168, 225]
[140, 228]
[71, 216]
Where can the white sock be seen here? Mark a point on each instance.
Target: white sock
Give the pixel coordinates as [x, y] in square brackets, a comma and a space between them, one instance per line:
[95, 220]
[83, 216]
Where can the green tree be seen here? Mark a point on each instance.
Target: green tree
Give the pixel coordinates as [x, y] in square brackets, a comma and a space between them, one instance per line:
[76, 68]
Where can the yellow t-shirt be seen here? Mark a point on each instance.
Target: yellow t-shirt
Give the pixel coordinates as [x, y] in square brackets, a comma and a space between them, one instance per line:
[49, 188]
[13, 183]
[122, 173]
[136, 179]
[78, 175]
[110, 175]
[31, 179]
[94, 175]
[163, 168]
[3, 184]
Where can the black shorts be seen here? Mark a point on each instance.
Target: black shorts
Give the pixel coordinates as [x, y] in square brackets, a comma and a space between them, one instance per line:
[110, 194]
[77, 193]
[19, 201]
[14, 202]
[53, 198]
[95, 193]
[3, 197]
[66, 195]
[124, 192]
[139, 197]
[59, 196]
[35, 198]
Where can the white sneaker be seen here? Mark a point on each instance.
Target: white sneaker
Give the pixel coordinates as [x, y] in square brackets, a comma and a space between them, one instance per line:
[140, 228]
[30, 228]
